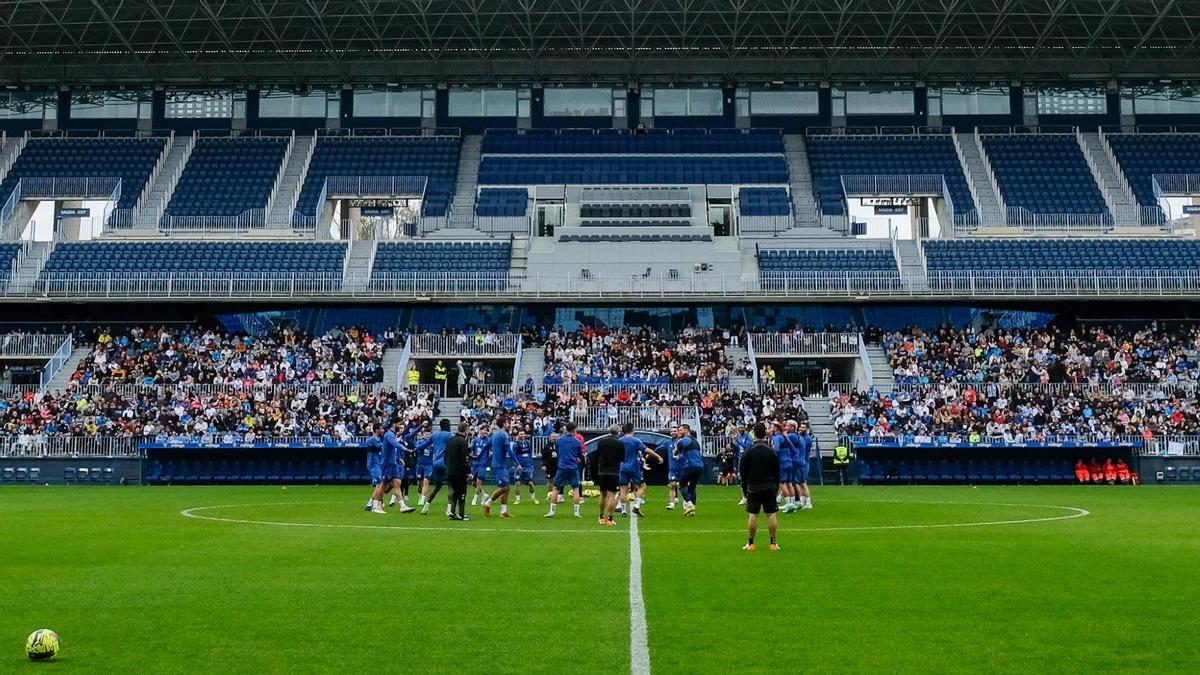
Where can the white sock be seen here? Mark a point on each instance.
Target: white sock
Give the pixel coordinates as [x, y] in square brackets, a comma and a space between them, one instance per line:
[475, 499]
[449, 510]
[553, 508]
[421, 500]
[487, 501]
[576, 509]
[504, 508]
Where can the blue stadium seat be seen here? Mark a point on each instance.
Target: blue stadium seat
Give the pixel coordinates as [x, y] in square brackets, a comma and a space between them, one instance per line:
[8, 253]
[227, 176]
[130, 159]
[764, 202]
[1062, 254]
[1046, 174]
[1143, 155]
[501, 202]
[769, 142]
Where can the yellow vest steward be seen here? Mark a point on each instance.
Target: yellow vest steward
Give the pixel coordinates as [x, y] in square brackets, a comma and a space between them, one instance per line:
[841, 455]
[414, 377]
[439, 373]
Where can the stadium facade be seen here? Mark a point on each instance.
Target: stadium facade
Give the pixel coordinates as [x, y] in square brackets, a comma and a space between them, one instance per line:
[500, 165]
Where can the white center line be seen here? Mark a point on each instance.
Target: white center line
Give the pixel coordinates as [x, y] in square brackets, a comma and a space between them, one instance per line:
[639, 650]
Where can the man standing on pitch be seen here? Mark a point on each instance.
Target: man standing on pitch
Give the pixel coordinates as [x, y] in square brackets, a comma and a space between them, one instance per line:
[691, 467]
[457, 465]
[609, 453]
[437, 442]
[570, 451]
[501, 452]
[760, 477]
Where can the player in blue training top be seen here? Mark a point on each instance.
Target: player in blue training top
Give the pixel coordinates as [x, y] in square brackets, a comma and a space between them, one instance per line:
[668, 448]
[437, 442]
[691, 467]
[396, 449]
[523, 446]
[570, 454]
[480, 454]
[424, 447]
[804, 441]
[376, 454]
[632, 469]
[783, 450]
[501, 452]
[744, 441]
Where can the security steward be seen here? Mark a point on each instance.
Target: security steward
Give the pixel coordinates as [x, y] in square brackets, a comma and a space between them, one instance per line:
[439, 377]
[841, 462]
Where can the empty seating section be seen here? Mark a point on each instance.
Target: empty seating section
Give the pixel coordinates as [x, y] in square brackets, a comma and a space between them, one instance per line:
[1143, 155]
[432, 258]
[1110, 255]
[8, 253]
[615, 169]
[764, 202]
[635, 211]
[130, 159]
[679, 222]
[248, 471]
[832, 158]
[1045, 174]
[227, 176]
[501, 202]
[629, 238]
[877, 260]
[678, 143]
[434, 158]
[283, 258]
[875, 472]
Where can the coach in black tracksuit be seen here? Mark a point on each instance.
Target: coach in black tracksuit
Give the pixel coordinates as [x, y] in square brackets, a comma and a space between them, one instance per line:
[760, 479]
[607, 465]
[458, 453]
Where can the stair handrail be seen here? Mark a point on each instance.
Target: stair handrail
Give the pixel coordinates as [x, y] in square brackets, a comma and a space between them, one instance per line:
[158, 167]
[1095, 169]
[1119, 172]
[516, 381]
[402, 366]
[962, 161]
[295, 199]
[868, 371]
[160, 209]
[753, 361]
[56, 363]
[12, 156]
[287, 155]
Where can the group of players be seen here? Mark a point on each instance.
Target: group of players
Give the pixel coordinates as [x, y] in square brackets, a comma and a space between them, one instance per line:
[401, 457]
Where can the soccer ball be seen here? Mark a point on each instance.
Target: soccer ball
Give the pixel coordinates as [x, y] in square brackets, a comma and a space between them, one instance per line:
[42, 645]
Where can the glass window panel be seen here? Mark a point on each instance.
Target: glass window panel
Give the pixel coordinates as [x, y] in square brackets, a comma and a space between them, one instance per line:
[577, 102]
[1080, 102]
[499, 103]
[670, 103]
[991, 101]
[199, 104]
[1165, 103]
[289, 104]
[107, 105]
[784, 103]
[368, 103]
[869, 102]
[28, 105]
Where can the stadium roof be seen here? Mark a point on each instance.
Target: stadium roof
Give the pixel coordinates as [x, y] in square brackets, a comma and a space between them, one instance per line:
[454, 41]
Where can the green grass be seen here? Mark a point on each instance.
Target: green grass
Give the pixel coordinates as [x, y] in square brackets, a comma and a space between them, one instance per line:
[132, 585]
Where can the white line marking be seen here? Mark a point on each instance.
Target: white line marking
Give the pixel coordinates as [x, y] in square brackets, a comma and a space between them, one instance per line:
[639, 649]
[469, 527]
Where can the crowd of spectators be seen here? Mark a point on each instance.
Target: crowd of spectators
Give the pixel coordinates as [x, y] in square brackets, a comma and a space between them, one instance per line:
[189, 355]
[635, 356]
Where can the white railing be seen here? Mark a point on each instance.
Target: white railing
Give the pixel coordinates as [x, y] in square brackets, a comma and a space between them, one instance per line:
[151, 214]
[300, 180]
[1172, 446]
[518, 225]
[69, 188]
[930, 185]
[1176, 184]
[487, 389]
[991, 172]
[248, 219]
[642, 416]
[1140, 390]
[516, 378]
[1093, 223]
[55, 363]
[133, 391]
[31, 345]
[753, 356]
[769, 345]
[464, 344]
[376, 186]
[966, 168]
[287, 156]
[1118, 171]
[402, 366]
[868, 370]
[11, 158]
[673, 390]
[70, 446]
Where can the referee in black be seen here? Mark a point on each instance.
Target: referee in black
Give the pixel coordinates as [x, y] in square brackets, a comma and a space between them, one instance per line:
[607, 457]
[458, 453]
[760, 480]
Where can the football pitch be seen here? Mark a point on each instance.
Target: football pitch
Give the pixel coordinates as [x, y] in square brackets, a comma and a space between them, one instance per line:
[912, 579]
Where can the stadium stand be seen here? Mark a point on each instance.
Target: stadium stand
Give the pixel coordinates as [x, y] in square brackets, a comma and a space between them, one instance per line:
[130, 159]
[764, 202]
[502, 202]
[227, 176]
[634, 356]
[1141, 156]
[808, 260]
[1062, 254]
[831, 158]
[8, 254]
[678, 142]
[197, 257]
[1044, 173]
[480, 259]
[435, 158]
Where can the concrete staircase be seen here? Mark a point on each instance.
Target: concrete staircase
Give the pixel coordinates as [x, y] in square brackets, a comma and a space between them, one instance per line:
[821, 424]
[462, 208]
[279, 216]
[533, 365]
[390, 363]
[157, 195]
[30, 266]
[9, 151]
[804, 204]
[449, 409]
[883, 377]
[738, 382]
[987, 202]
[518, 265]
[1120, 203]
[912, 272]
[63, 376]
[357, 274]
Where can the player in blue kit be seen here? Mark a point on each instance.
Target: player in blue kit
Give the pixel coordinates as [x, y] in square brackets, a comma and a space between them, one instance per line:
[804, 441]
[396, 450]
[480, 452]
[668, 448]
[376, 453]
[501, 451]
[523, 446]
[570, 453]
[744, 440]
[424, 447]
[691, 467]
[782, 445]
[437, 442]
[632, 468]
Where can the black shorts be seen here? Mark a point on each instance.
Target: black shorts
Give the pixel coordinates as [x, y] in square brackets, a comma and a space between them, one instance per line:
[761, 500]
[607, 483]
[551, 470]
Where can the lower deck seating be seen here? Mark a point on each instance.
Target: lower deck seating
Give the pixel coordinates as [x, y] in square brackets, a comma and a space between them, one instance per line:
[412, 259]
[877, 260]
[8, 253]
[1110, 255]
[502, 202]
[764, 202]
[629, 238]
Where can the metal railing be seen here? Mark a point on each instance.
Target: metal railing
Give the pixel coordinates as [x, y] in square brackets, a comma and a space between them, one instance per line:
[287, 156]
[991, 172]
[868, 371]
[1092, 223]
[930, 185]
[69, 188]
[13, 154]
[769, 345]
[673, 389]
[466, 344]
[516, 381]
[158, 167]
[134, 391]
[248, 219]
[485, 389]
[753, 356]
[643, 416]
[300, 180]
[1054, 440]
[1176, 184]
[402, 365]
[71, 446]
[56, 362]
[376, 186]
[1118, 170]
[32, 345]
[1140, 390]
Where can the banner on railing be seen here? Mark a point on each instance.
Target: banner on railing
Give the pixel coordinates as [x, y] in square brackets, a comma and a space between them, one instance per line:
[73, 214]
